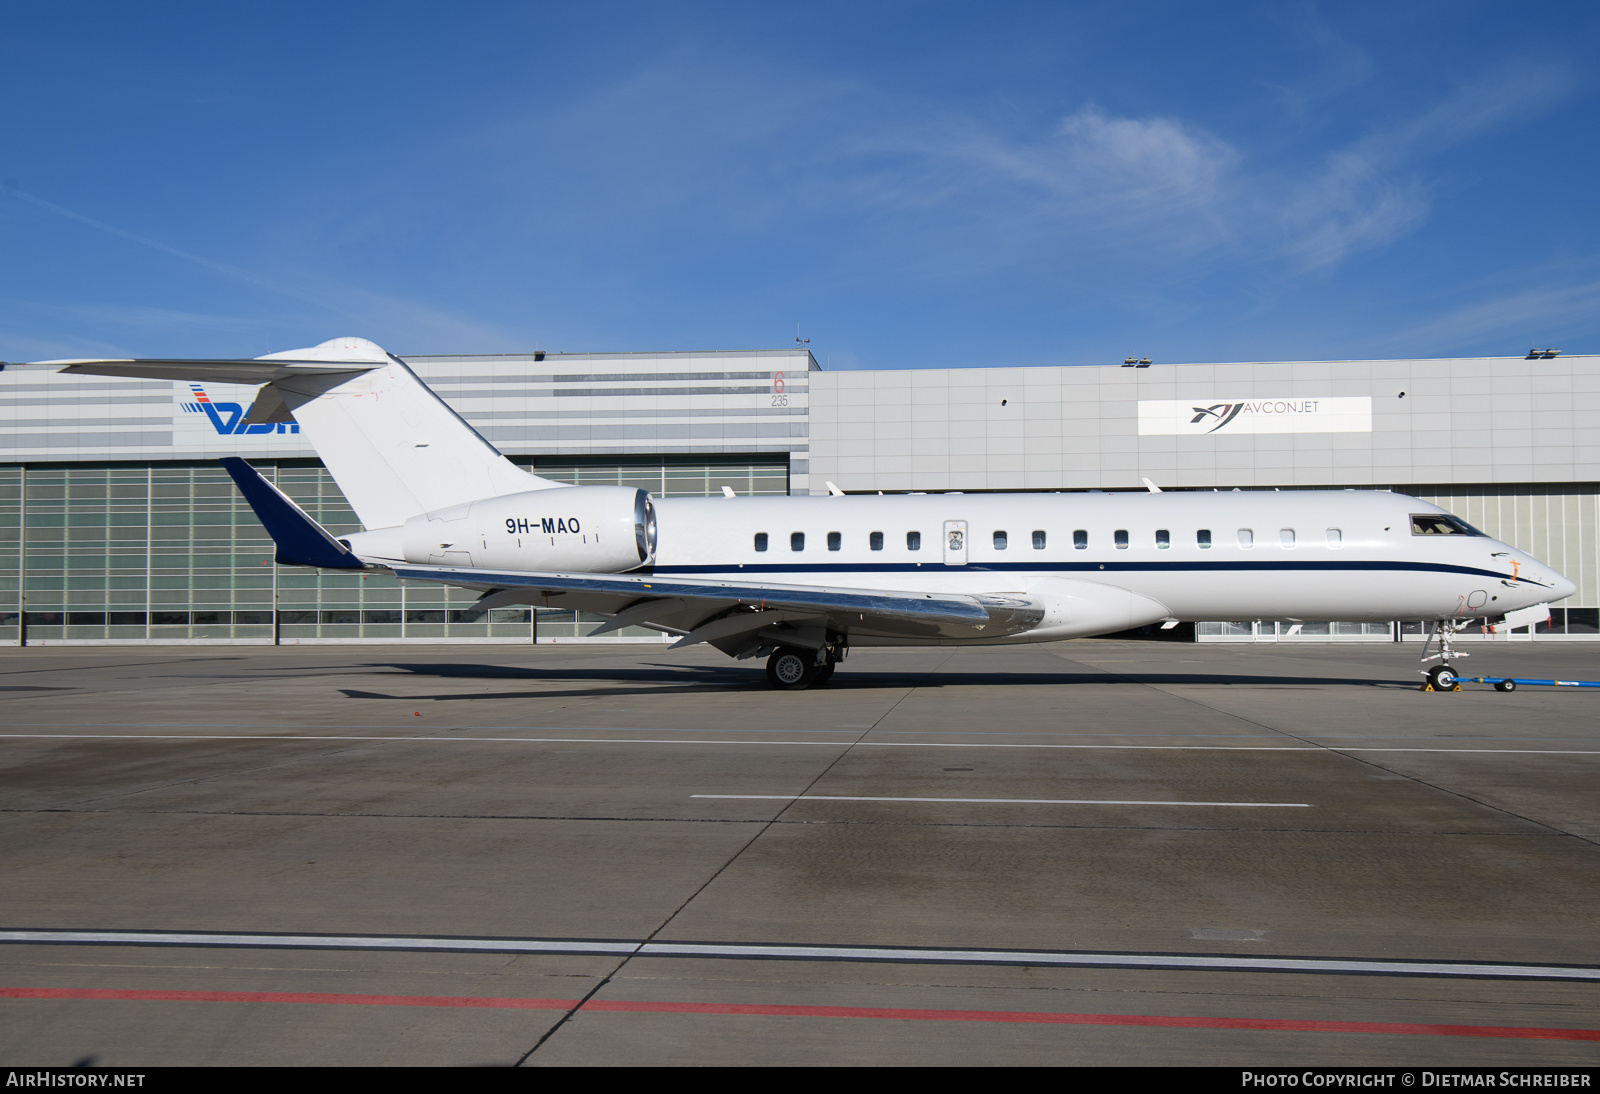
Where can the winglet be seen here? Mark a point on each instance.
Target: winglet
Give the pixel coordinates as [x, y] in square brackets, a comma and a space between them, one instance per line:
[301, 541]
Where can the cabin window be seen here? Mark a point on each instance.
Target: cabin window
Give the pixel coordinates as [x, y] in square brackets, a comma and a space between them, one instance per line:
[1247, 538]
[875, 541]
[1163, 539]
[1440, 524]
[761, 541]
[1202, 539]
[1120, 538]
[913, 541]
[1038, 541]
[835, 541]
[1080, 540]
[1286, 537]
[999, 541]
[797, 541]
[1335, 538]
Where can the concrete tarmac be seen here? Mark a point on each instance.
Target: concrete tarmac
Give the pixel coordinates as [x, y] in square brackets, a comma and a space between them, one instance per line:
[1214, 816]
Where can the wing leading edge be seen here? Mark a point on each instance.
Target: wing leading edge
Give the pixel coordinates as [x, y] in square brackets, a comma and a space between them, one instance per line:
[744, 617]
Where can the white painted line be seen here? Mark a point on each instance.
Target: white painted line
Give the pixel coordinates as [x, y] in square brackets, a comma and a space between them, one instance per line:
[994, 801]
[311, 739]
[315, 941]
[737, 951]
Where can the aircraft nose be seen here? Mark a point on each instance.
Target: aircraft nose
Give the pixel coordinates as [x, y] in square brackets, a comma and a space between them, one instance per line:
[1561, 587]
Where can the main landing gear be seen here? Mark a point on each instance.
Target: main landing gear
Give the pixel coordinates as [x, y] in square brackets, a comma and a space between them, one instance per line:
[791, 668]
[1442, 677]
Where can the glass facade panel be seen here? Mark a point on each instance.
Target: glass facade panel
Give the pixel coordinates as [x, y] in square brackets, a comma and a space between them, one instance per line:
[170, 551]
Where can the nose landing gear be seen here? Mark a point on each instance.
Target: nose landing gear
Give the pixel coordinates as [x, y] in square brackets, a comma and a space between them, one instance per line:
[1442, 677]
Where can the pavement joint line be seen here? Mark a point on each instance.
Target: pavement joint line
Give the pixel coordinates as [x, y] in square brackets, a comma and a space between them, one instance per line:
[801, 952]
[309, 738]
[792, 1010]
[706, 884]
[1273, 735]
[992, 801]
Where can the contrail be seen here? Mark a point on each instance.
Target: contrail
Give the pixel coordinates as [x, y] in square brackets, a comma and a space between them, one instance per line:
[217, 267]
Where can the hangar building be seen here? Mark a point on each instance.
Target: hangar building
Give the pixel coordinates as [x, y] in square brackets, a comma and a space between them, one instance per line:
[118, 525]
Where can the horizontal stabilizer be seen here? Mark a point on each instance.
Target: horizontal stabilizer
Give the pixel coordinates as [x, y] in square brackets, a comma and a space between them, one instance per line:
[393, 446]
[301, 541]
[346, 355]
[217, 372]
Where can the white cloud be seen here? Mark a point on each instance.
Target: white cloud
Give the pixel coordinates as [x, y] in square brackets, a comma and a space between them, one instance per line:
[1154, 156]
[1351, 206]
[1537, 313]
[1372, 191]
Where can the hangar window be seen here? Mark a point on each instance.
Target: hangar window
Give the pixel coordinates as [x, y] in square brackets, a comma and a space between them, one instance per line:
[1335, 538]
[1163, 539]
[913, 541]
[835, 541]
[1202, 539]
[1120, 538]
[761, 541]
[999, 541]
[1247, 538]
[1038, 541]
[797, 541]
[1286, 537]
[1440, 524]
[875, 541]
[1080, 540]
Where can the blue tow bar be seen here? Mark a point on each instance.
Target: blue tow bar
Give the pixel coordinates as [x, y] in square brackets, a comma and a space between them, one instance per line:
[1507, 683]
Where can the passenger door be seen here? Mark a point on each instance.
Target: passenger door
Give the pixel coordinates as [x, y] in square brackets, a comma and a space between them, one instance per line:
[955, 543]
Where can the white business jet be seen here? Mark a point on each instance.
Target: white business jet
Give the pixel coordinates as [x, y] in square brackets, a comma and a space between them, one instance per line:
[800, 580]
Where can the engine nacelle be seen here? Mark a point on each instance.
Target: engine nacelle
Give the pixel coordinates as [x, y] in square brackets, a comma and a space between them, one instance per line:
[582, 529]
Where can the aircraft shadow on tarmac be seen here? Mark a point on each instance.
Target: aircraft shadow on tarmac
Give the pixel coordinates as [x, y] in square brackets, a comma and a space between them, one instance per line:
[677, 679]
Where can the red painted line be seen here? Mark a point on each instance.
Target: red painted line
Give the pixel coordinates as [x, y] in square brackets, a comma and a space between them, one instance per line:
[1282, 1024]
[779, 1010]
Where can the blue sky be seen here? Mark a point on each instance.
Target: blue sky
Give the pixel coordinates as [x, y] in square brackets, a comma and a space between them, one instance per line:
[906, 184]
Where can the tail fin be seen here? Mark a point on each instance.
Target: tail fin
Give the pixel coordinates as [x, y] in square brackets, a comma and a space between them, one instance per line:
[393, 446]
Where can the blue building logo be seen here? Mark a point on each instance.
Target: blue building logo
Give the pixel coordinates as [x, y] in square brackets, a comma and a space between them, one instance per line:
[228, 418]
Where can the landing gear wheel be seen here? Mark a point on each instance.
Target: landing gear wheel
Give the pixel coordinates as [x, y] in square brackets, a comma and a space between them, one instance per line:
[824, 674]
[1506, 685]
[1442, 677]
[792, 670]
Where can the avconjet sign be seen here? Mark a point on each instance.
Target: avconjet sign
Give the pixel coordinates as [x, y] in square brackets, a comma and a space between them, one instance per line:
[1199, 417]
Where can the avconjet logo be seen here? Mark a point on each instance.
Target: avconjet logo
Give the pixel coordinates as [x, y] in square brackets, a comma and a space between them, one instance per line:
[1227, 412]
[228, 418]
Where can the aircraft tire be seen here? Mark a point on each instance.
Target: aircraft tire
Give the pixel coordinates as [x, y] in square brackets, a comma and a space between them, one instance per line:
[790, 669]
[824, 674]
[1442, 677]
[1506, 685]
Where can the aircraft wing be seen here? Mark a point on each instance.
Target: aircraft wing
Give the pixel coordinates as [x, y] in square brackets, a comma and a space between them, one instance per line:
[742, 614]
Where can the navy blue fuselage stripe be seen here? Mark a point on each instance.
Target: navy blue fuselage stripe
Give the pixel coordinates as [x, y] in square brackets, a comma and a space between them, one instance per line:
[1075, 567]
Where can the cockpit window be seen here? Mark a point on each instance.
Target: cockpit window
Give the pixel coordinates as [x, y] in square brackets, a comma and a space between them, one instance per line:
[1440, 524]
